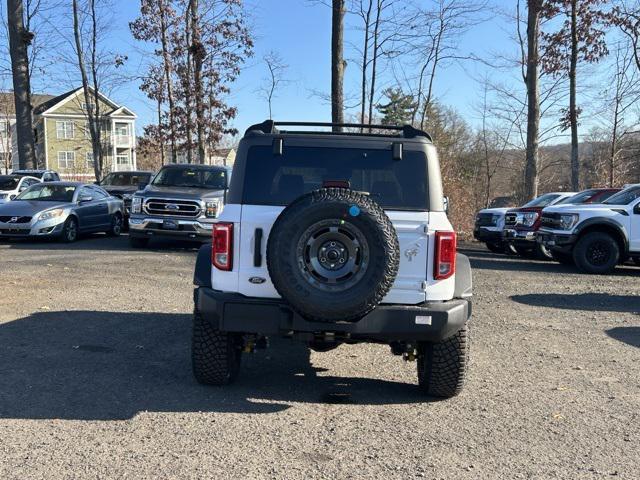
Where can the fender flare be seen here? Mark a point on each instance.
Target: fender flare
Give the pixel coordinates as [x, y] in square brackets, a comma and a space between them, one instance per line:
[202, 271]
[464, 283]
[606, 222]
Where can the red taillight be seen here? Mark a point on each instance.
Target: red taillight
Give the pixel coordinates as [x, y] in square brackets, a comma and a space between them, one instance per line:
[222, 246]
[445, 261]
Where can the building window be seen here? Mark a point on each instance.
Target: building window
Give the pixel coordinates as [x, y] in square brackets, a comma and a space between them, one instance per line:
[88, 107]
[122, 158]
[66, 160]
[64, 129]
[4, 127]
[122, 129]
[90, 160]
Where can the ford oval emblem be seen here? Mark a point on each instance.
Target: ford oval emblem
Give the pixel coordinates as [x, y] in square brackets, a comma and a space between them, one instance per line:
[257, 280]
[172, 206]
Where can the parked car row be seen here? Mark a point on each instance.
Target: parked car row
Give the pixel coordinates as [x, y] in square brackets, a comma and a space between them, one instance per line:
[596, 229]
[179, 201]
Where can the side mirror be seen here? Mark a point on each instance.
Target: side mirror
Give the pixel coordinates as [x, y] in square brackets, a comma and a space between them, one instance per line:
[22, 188]
[445, 201]
[85, 199]
[636, 209]
[96, 182]
[142, 185]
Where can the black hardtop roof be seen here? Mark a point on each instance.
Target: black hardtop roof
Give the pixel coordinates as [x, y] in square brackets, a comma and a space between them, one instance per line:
[270, 127]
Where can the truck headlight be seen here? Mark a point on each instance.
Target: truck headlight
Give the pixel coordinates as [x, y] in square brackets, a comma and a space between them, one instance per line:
[212, 208]
[136, 205]
[568, 220]
[494, 220]
[55, 213]
[529, 218]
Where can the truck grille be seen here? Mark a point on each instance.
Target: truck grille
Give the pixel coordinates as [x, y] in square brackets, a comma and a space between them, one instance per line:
[550, 220]
[7, 219]
[485, 220]
[172, 208]
[510, 219]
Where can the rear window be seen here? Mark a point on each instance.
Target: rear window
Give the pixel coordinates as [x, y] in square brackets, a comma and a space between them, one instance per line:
[279, 180]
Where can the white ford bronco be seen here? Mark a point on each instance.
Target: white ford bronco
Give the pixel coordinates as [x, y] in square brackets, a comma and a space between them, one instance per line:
[597, 237]
[330, 239]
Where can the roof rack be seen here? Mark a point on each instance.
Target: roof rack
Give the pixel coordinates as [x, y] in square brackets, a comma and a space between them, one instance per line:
[270, 127]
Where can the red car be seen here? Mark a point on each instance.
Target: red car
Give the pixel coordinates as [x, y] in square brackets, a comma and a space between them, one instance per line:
[521, 224]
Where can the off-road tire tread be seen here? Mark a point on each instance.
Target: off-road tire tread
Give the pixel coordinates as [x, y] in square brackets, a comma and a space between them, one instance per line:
[215, 355]
[442, 366]
[579, 253]
[389, 239]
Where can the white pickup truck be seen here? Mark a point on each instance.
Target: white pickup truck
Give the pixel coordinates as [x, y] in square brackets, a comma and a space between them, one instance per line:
[595, 237]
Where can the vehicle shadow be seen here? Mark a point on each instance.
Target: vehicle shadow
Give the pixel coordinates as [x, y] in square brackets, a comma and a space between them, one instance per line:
[629, 335]
[486, 260]
[100, 242]
[582, 301]
[89, 365]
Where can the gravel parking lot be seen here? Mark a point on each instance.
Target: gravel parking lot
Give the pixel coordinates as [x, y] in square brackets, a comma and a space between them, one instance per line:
[96, 380]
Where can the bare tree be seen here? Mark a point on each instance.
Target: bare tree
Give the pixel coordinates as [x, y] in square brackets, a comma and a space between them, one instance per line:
[583, 33]
[86, 49]
[19, 40]
[534, 11]
[157, 19]
[276, 70]
[338, 64]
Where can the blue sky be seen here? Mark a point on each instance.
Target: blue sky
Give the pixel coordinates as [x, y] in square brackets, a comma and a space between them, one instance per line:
[300, 32]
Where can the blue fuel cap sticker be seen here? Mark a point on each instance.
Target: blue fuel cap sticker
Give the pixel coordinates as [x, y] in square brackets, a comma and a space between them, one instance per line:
[354, 211]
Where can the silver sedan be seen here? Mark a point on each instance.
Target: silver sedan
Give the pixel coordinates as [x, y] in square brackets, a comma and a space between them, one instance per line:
[62, 210]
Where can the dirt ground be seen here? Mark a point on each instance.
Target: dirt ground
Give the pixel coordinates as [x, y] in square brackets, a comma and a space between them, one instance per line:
[96, 383]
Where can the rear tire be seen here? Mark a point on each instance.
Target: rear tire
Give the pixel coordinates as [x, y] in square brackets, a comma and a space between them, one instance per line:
[215, 355]
[69, 230]
[597, 252]
[442, 366]
[137, 242]
[495, 247]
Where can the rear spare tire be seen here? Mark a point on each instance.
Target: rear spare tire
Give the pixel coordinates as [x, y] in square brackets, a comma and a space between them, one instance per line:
[333, 254]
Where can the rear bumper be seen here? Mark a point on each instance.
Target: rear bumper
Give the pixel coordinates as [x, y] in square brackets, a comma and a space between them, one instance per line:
[144, 226]
[232, 312]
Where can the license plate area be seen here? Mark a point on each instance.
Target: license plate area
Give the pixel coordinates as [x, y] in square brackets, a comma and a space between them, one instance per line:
[170, 225]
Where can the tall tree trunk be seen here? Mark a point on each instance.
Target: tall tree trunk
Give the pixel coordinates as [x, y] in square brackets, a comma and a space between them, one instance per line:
[374, 64]
[337, 63]
[94, 116]
[614, 146]
[533, 99]
[19, 39]
[168, 73]
[160, 132]
[198, 53]
[186, 85]
[573, 112]
[93, 121]
[365, 61]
